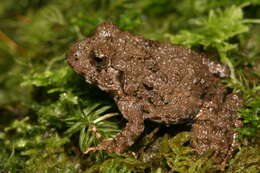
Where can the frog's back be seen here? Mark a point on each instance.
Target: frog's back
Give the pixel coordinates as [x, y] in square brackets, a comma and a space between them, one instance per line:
[170, 80]
[180, 82]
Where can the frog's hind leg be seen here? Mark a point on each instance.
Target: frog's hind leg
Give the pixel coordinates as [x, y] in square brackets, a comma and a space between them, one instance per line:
[214, 128]
[130, 109]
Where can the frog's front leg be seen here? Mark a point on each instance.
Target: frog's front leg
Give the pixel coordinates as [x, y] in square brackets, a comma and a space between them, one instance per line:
[131, 110]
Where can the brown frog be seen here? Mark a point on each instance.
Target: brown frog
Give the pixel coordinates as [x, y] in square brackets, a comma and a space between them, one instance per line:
[161, 82]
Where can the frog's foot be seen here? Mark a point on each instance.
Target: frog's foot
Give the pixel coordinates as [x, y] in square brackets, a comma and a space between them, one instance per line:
[123, 140]
[106, 145]
[113, 146]
[89, 149]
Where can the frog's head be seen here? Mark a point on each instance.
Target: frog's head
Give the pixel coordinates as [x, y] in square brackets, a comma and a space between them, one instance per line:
[92, 57]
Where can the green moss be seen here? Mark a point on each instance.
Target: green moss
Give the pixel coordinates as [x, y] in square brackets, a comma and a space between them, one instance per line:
[48, 112]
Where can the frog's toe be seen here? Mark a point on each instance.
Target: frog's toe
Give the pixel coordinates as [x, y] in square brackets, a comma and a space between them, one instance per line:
[107, 145]
[89, 149]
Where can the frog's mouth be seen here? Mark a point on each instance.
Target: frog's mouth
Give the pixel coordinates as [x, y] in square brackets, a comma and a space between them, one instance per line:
[100, 87]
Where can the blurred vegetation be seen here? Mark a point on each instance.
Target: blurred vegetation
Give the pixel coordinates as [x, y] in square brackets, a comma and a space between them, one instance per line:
[49, 115]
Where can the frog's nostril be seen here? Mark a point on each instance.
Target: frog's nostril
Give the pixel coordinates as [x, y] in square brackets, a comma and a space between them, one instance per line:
[76, 55]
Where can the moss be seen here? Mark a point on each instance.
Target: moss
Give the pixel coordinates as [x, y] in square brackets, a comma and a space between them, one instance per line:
[48, 113]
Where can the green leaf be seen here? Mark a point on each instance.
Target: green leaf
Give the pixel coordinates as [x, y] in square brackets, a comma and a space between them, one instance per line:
[83, 138]
[88, 110]
[74, 128]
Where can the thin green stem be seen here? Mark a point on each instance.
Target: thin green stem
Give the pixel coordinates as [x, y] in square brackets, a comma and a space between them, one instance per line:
[256, 21]
[106, 116]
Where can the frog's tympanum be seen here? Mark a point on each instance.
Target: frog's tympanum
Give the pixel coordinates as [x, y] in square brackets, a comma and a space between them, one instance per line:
[161, 82]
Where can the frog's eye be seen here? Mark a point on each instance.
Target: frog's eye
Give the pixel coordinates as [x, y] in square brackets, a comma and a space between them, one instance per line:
[99, 59]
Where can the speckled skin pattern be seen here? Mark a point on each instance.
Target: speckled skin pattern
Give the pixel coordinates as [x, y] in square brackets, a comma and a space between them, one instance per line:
[161, 82]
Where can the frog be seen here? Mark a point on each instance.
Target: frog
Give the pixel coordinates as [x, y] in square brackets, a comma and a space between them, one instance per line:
[161, 82]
